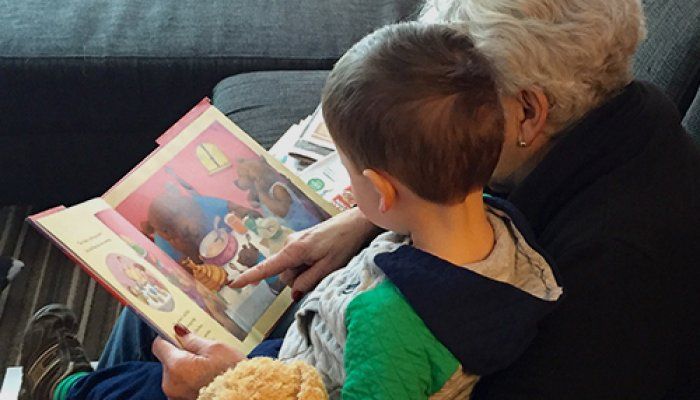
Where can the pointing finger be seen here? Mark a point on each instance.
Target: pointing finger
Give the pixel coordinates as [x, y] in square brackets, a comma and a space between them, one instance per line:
[289, 257]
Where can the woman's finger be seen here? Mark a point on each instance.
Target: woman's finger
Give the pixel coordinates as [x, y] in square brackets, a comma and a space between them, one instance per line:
[288, 276]
[311, 276]
[291, 256]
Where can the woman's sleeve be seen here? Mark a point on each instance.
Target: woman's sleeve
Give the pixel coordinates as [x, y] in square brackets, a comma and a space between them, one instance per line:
[389, 353]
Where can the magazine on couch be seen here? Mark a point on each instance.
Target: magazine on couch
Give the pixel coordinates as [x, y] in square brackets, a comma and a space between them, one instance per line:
[170, 236]
[308, 150]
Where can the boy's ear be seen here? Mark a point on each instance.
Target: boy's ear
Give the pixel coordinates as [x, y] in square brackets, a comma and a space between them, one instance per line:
[384, 187]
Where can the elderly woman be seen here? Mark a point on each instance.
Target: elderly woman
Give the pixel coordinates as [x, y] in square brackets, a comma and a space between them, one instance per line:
[600, 166]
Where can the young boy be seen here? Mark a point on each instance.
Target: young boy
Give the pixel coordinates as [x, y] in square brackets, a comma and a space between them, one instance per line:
[453, 290]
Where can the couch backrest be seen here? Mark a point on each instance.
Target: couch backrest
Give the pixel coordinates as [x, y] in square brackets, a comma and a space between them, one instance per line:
[670, 56]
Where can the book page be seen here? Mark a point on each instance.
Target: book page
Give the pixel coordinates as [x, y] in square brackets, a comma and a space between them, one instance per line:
[316, 131]
[211, 198]
[304, 143]
[140, 275]
[329, 178]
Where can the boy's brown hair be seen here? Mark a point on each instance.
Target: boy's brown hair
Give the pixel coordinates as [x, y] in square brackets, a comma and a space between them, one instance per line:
[420, 103]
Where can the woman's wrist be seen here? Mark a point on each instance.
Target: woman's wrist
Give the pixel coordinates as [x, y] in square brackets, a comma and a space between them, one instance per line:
[365, 229]
[362, 223]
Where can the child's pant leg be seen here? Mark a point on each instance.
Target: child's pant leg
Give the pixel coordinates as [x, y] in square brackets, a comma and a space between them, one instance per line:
[132, 380]
[130, 340]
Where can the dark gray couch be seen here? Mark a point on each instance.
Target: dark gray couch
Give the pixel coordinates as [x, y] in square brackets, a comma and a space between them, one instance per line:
[264, 104]
[88, 86]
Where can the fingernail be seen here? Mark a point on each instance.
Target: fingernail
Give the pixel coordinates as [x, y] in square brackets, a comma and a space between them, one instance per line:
[181, 330]
[297, 295]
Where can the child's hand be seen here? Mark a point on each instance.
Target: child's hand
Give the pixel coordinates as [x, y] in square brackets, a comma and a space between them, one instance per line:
[187, 370]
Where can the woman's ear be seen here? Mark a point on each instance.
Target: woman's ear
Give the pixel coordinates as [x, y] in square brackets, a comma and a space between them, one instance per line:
[383, 186]
[535, 110]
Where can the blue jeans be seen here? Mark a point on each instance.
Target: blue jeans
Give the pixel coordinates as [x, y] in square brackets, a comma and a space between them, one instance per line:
[130, 340]
[127, 368]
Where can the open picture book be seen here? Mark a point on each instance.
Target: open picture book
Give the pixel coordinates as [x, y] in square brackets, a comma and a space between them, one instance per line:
[171, 235]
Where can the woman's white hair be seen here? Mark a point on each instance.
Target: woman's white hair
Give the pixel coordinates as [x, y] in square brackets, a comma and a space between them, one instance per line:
[578, 51]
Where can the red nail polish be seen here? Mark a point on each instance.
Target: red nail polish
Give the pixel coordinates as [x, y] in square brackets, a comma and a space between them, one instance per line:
[181, 330]
[297, 295]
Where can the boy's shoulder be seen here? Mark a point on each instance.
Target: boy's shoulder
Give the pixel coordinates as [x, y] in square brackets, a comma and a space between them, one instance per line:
[383, 315]
[507, 293]
[382, 303]
[388, 342]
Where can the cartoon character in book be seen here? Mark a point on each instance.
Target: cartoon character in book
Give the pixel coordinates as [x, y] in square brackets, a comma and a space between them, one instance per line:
[249, 256]
[148, 288]
[176, 276]
[275, 197]
[212, 276]
[271, 232]
[178, 222]
[181, 278]
[136, 292]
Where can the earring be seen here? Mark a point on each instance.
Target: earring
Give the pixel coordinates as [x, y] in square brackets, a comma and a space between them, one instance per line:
[521, 142]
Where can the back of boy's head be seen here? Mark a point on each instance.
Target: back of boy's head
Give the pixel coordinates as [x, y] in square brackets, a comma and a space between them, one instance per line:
[420, 103]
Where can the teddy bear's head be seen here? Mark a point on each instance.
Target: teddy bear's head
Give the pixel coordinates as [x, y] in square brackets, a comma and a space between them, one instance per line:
[263, 378]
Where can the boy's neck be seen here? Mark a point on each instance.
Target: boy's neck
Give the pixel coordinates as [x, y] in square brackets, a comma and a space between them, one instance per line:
[459, 233]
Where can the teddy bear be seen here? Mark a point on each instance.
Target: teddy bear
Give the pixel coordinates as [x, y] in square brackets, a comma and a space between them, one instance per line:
[263, 378]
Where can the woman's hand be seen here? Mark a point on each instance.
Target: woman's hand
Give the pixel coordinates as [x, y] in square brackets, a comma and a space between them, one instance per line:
[186, 370]
[309, 255]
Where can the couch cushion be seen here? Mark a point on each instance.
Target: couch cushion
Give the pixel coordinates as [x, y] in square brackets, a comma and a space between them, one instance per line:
[669, 57]
[265, 104]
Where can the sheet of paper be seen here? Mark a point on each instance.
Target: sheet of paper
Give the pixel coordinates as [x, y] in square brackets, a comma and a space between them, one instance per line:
[329, 179]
